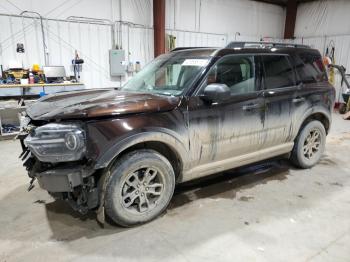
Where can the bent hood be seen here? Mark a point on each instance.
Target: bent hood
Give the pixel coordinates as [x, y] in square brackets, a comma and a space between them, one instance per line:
[98, 103]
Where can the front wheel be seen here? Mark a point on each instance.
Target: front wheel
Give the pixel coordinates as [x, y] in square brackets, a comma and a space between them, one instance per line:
[140, 187]
[309, 145]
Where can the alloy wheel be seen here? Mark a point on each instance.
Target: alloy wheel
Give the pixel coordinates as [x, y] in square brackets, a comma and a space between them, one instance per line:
[142, 189]
[312, 144]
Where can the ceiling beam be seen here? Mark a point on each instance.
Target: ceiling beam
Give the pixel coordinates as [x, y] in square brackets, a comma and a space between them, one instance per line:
[291, 15]
[159, 27]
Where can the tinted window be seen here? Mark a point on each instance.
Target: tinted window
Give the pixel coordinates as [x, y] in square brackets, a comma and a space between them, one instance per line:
[237, 72]
[310, 68]
[277, 72]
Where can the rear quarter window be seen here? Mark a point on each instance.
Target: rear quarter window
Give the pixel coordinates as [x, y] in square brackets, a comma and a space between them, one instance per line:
[310, 68]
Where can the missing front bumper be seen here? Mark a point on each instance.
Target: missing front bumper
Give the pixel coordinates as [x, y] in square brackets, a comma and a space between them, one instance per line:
[60, 180]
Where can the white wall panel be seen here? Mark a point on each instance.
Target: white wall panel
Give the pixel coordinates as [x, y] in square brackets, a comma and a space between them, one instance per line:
[136, 11]
[59, 8]
[217, 21]
[62, 38]
[187, 38]
[314, 42]
[250, 18]
[251, 38]
[138, 43]
[16, 30]
[320, 18]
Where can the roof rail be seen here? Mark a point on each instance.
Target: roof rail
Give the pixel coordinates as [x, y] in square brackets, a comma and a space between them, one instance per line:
[192, 47]
[263, 45]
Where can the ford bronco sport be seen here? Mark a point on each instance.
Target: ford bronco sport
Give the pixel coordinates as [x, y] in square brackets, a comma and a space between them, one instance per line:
[188, 114]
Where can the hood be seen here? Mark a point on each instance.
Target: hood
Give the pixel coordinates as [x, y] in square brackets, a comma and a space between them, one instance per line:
[98, 103]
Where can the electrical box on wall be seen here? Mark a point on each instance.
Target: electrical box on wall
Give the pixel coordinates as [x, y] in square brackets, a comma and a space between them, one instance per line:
[117, 64]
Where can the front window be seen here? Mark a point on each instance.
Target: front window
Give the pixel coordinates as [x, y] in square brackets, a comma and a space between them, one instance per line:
[168, 74]
[237, 72]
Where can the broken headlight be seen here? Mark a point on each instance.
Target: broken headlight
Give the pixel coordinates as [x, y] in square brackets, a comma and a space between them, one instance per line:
[57, 142]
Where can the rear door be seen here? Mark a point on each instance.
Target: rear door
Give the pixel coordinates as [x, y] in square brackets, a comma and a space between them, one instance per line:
[314, 89]
[279, 83]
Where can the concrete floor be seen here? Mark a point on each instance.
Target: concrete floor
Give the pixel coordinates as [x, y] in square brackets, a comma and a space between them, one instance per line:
[270, 212]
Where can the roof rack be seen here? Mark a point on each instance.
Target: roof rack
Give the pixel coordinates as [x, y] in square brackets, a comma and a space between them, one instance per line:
[193, 47]
[263, 45]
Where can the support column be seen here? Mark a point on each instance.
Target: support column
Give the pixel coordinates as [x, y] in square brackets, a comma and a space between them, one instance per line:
[291, 15]
[159, 27]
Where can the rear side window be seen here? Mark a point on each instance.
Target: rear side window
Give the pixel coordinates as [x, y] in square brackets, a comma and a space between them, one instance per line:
[278, 72]
[309, 67]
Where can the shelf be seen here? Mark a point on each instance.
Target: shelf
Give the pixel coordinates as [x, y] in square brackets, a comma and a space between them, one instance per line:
[13, 108]
[39, 85]
[10, 134]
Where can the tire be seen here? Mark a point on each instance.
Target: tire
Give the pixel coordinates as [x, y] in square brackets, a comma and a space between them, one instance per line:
[139, 188]
[305, 153]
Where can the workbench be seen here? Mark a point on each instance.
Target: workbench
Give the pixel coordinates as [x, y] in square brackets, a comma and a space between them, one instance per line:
[10, 110]
[18, 90]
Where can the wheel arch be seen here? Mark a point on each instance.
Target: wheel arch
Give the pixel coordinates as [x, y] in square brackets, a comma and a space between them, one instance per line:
[165, 144]
[320, 117]
[317, 113]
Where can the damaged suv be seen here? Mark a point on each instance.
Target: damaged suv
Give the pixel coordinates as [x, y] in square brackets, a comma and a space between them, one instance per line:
[188, 114]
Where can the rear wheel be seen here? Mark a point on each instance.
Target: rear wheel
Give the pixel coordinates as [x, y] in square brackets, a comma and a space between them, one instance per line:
[309, 145]
[140, 187]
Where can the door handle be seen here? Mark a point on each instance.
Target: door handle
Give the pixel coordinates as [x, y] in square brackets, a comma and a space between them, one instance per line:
[298, 99]
[250, 107]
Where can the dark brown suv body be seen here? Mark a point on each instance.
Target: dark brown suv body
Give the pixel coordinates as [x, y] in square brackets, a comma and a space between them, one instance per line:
[200, 132]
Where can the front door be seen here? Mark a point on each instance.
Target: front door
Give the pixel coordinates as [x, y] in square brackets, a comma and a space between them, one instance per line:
[233, 126]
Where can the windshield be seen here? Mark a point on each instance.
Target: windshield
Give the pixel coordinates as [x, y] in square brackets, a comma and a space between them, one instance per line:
[168, 74]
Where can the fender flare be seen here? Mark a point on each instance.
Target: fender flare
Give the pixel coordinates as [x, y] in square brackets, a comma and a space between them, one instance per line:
[163, 135]
[309, 112]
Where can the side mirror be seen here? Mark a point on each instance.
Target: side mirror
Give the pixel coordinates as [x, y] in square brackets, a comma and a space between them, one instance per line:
[216, 92]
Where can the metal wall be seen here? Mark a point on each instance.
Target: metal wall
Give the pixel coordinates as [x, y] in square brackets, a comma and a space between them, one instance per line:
[91, 40]
[190, 38]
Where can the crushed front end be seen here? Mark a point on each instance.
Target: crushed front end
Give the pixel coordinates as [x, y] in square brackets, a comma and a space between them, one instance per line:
[54, 154]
